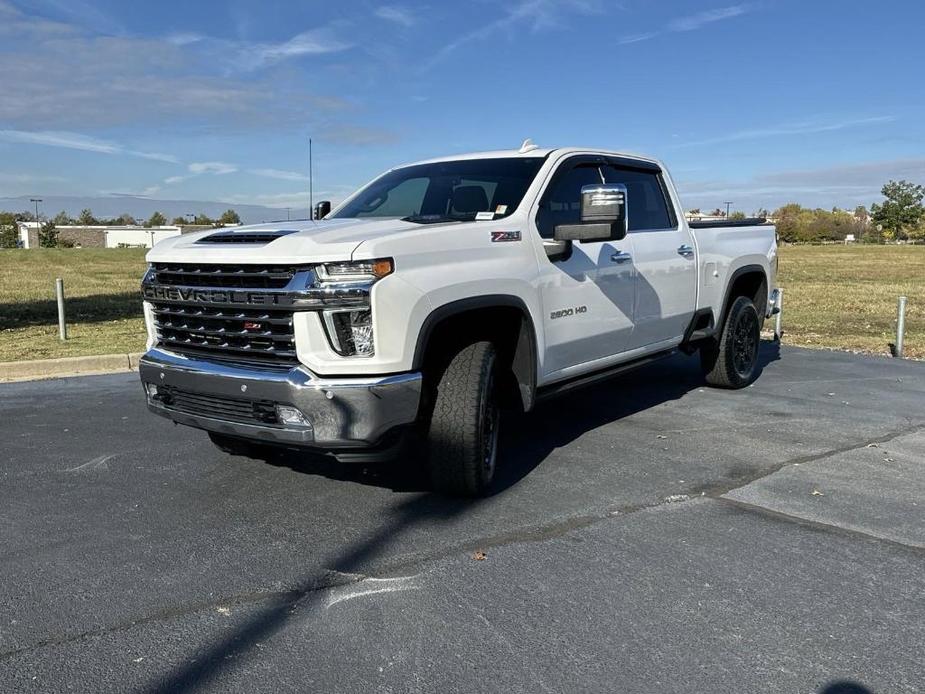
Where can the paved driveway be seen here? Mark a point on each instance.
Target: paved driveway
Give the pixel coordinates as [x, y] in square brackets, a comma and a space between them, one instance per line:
[648, 534]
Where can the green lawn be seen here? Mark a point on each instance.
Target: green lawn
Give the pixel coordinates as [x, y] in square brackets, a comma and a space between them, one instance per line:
[103, 302]
[835, 296]
[844, 297]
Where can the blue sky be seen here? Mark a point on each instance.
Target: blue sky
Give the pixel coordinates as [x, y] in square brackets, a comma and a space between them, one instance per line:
[759, 103]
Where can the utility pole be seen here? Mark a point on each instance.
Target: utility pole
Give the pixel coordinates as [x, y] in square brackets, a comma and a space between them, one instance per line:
[311, 192]
[38, 225]
[727, 204]
[287, 213]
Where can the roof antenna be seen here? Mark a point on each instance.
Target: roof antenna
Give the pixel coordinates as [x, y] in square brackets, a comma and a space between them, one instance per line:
[527, 146]
[311, 192]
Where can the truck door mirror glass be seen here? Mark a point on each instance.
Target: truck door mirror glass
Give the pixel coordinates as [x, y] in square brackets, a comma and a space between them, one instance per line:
[321, 209]
[603, 215]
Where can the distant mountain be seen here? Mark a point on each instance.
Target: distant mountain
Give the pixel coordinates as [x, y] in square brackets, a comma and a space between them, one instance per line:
[142, 208]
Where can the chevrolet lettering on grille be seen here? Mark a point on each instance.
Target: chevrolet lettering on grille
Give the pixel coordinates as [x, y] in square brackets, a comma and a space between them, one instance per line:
[211, 296]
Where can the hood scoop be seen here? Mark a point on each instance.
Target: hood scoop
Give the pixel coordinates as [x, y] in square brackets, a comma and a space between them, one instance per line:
[251, 237]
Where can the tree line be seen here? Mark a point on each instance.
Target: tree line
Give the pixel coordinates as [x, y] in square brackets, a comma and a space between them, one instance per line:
[48, 234]
[900, 217]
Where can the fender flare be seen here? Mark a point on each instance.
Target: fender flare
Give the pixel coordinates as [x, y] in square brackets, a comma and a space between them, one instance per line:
[524, 364]
[736, 274]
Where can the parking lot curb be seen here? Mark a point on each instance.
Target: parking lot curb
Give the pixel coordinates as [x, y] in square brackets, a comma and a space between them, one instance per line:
[67, 366]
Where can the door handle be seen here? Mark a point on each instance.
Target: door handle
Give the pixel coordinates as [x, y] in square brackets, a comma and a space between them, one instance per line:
[686, 251]
[621, 257]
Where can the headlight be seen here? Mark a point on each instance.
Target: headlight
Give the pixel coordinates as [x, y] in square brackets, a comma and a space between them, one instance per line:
[356, 271]
[350, 330]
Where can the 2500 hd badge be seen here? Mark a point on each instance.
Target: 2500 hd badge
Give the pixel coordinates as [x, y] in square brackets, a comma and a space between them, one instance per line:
[562, 313]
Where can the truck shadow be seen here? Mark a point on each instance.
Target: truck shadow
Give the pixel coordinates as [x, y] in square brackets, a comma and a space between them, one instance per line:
[310, 595]
[528, 443]
[528, 440]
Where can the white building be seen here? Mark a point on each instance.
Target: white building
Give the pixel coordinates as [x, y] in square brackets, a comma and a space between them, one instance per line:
[99, 236]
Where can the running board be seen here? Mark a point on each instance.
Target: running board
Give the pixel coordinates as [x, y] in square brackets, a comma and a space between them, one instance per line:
[555, 389]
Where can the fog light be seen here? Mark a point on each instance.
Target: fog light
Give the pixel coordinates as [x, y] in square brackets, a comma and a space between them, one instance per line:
[152, 390]
[290, 416]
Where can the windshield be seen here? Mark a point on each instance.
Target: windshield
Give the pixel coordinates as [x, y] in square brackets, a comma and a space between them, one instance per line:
[446, 191]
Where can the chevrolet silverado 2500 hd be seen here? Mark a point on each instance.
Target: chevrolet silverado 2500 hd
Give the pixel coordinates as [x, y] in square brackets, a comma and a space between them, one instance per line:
[440, 293]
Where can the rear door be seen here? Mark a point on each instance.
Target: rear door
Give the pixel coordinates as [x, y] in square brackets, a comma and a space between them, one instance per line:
[663, 255]
[588, 292]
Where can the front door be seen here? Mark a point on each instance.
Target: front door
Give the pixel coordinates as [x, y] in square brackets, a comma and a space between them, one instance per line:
[589, 292]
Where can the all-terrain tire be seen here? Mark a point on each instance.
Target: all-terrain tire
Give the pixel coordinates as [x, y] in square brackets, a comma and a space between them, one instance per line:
[462, 440]
[731, 362]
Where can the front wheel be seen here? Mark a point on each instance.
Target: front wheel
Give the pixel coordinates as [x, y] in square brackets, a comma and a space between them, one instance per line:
[462, 442]
[732, 361]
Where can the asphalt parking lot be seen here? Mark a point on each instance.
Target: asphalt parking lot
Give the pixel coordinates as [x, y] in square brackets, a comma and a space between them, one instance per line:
[646, 535]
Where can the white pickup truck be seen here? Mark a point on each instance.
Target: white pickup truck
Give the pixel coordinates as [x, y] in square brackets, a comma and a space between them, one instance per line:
[441, 293]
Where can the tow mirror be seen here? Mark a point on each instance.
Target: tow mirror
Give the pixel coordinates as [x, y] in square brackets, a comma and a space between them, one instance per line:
[321, 209]
[603, 215]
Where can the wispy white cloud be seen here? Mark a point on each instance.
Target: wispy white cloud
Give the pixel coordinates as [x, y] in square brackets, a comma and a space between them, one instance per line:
[63, 74]
[691, 22]
[534, 15]
[279, 174]
[294, 199]
[312, 42]
[844, 185]
[695, 21]
[185, 38]
[218, 168]
[396, 14]
[70, 140]
[24, 178]
[784, 129]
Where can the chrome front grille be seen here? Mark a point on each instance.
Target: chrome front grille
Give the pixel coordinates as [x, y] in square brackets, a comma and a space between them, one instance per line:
[223, 276]
[211, 322]
[258, 334]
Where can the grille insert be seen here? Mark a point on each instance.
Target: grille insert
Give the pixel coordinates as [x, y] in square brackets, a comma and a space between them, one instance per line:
[217, 407]
[231, 276]
[256, 334]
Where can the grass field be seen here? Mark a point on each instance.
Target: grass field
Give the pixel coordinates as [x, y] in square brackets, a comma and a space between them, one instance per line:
[103, 302]
[835, 296]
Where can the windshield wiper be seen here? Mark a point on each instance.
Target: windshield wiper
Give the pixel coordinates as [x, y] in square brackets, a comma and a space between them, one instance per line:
[429, 219]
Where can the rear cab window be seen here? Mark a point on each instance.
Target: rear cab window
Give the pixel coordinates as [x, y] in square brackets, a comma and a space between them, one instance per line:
[649, 207]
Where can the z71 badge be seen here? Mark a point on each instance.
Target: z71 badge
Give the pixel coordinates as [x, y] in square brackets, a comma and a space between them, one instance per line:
[502, 236]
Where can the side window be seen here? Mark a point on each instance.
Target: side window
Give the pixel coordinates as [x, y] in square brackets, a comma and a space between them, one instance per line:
[648, 207]
[561, 203]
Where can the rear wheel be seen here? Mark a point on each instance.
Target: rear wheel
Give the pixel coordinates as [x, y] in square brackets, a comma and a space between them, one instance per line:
[462, 441]
[731, 362]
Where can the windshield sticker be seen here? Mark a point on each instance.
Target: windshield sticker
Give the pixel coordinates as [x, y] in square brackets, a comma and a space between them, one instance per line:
[503, 236]
[501, 209]
[484, 216]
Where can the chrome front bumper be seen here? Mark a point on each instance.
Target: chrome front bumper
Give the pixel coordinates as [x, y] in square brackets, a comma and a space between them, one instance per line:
[339, 412]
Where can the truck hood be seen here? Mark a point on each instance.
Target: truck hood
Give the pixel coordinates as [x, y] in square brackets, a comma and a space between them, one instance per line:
[300, 241]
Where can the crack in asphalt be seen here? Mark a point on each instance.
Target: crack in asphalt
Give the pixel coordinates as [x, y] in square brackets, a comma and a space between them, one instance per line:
[331, 579]
[716, 490]
[818, 525]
